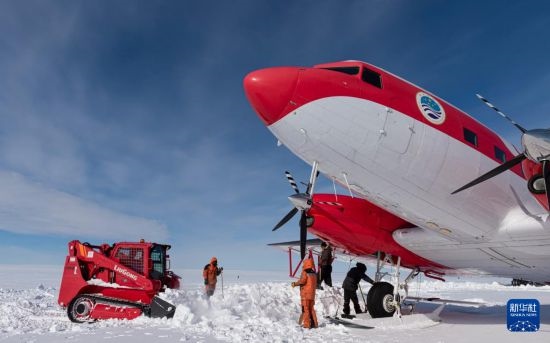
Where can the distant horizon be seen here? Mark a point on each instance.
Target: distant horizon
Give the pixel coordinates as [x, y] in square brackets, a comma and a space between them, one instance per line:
[192, 277]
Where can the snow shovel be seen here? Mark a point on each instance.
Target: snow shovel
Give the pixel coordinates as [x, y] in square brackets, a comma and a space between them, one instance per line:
[363, 296]
[222, 284]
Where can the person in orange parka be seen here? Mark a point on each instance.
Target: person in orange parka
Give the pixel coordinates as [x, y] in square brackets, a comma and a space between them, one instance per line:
[308, 285]
[210, 276]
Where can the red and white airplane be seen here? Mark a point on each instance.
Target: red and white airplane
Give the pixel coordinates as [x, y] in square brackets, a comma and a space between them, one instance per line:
[404, 155]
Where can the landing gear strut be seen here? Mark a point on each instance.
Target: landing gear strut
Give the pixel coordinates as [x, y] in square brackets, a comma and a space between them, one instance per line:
[384, 299]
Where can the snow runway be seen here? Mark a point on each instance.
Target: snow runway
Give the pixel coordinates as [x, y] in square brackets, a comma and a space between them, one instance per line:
[258, 311]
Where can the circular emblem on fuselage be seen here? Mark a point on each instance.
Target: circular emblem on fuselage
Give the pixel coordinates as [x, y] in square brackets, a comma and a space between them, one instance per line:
[430, 108]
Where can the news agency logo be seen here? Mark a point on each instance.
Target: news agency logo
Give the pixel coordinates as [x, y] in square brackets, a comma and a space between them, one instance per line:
[523, 315]
[430, 108]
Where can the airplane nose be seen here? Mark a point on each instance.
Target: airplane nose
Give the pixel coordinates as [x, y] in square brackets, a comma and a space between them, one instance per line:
[269, 91]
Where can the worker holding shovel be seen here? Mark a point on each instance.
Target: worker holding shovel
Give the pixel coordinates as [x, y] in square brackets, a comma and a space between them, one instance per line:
[210, 276]
[351, 282]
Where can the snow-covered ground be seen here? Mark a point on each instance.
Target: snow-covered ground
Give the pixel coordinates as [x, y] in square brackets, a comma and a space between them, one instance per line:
[258, 307]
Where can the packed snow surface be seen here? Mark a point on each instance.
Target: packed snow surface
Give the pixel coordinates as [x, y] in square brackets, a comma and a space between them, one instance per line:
[260, 307]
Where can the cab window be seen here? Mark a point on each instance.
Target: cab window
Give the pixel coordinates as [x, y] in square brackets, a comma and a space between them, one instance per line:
[131, 258]
[157, 257]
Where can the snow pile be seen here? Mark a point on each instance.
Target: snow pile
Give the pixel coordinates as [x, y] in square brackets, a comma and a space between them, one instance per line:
[31, 311]
[251, 312]
[99, 282]
[254, 311]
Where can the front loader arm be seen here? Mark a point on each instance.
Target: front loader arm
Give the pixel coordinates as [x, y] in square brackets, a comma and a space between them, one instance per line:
[82, 264]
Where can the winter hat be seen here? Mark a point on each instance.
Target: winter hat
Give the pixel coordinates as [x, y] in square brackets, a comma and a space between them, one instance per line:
[309, 264]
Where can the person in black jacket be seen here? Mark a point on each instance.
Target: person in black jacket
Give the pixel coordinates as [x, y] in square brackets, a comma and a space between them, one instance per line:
[354, 276]
[325, 263]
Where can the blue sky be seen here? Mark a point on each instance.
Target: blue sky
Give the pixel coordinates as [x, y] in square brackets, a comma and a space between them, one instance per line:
[123, 120]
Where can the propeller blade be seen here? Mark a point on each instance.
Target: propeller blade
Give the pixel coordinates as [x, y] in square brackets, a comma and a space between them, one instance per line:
[492, 173]
[502, 114]
[286, 218]
[303, 235]
[546, 175]
[292, 182]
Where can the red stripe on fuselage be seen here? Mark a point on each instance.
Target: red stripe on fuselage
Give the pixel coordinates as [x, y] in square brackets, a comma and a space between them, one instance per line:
[304, 85]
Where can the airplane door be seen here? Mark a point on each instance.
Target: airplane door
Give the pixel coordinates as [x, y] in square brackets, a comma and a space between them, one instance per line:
[429, 148]
[397, 131]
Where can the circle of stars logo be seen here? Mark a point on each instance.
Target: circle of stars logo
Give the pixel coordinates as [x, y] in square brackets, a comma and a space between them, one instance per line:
[524, 326]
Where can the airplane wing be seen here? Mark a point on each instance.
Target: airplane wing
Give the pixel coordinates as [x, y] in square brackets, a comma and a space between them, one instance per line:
[357, 230]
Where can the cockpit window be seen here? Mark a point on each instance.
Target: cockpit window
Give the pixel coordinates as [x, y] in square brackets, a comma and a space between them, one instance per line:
[345, 70]
[371, 77]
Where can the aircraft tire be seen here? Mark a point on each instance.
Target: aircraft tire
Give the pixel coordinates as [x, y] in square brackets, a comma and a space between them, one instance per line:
[378, 300]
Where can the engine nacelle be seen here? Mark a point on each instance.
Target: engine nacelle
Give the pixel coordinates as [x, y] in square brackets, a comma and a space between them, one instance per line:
[360, 227]
[535, 181]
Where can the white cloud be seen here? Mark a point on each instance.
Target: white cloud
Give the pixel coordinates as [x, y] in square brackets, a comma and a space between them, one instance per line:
[31, 208]
[34, 146]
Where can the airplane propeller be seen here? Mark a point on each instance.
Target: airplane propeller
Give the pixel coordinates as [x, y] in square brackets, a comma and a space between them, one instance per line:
[536, 147]
[546, 177]
[302, 202]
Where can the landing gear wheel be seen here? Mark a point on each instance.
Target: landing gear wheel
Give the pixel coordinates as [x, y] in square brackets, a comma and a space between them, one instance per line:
[380, 300]
[80, 309]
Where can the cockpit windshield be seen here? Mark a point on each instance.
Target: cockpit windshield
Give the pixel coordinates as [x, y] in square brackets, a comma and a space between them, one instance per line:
[367, 75]
[345, 70]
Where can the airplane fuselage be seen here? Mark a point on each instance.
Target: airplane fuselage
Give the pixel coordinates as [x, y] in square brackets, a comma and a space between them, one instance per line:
[405, 150]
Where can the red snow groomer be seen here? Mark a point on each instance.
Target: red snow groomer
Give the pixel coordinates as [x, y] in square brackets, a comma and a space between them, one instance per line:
[121, 281]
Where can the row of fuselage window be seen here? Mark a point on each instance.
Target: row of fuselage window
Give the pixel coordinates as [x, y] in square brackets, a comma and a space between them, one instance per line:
[375, 79]
[471, 137]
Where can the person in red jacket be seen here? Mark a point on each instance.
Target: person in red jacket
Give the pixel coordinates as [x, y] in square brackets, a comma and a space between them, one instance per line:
[210, 276]
[308, 285]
